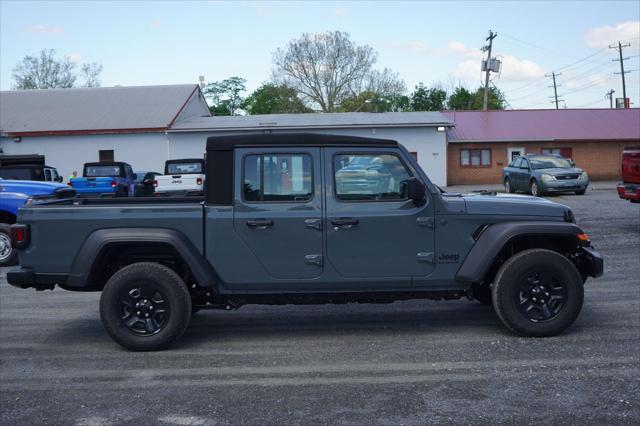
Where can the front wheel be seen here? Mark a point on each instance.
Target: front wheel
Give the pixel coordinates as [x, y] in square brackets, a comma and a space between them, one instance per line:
[145, 307]
[507, 186]
[538, 292]
[8, 255]
[533, 188]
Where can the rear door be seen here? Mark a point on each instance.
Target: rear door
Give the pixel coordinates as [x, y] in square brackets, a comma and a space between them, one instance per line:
[278, 211]
[373, 231]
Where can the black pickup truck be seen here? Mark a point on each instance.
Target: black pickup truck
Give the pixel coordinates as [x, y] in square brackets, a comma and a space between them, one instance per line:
[306, 218]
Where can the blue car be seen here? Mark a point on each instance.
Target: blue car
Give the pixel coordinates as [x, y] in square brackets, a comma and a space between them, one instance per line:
[106, 178]
[541, 174]
[13, 195]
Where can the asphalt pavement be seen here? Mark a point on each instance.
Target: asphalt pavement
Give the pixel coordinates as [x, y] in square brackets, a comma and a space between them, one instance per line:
[412, 362]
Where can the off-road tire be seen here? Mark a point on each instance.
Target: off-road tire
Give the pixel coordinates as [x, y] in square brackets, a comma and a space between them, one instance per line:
[10, 258]
[510, 279]
[159, 278]
[507, 186]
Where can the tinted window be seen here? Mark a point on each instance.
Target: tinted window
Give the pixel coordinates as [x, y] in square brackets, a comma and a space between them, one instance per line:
[517, 163]
[366, 177]
[47, 175]
[17, 174]
[548, 162]
[184, 168]
[278, 177]
[102, 171]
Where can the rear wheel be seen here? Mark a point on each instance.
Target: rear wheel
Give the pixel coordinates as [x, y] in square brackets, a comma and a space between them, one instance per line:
[538, 292]
[8, 255]
[145, 307]
[507, 186]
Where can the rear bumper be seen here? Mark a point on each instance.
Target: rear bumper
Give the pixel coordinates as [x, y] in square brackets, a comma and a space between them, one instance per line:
[25, 278]
[629, 191]
[591, 262]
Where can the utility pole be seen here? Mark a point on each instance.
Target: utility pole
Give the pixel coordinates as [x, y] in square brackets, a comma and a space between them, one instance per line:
[555, 86]
[488, 70]
[620, 46]
[609, 95]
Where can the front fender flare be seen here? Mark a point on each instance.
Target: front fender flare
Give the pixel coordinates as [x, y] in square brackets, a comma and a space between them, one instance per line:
[496, 236]
[98, 240]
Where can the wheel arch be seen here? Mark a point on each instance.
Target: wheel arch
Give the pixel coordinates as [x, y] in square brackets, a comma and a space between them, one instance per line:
[113, 248]
[7, 217]
[500, 241]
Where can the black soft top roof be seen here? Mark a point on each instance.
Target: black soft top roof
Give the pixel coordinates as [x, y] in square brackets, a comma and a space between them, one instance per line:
[224, 143]
[186, 160]
[106, 163]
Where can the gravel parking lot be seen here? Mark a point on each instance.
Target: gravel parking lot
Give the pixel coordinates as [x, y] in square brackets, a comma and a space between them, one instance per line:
[402, 363]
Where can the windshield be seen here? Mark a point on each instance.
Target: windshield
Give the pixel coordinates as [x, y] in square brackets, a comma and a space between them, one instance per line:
[548, 163]
[184, 168]
[102, 171]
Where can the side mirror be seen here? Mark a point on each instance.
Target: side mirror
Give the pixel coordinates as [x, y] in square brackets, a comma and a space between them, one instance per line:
[415, 190]
[59, 179]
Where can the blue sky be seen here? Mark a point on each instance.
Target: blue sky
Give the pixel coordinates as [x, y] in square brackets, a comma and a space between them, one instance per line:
[141, 43]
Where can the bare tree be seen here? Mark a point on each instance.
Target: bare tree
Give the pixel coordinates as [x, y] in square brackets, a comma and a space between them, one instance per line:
[327, 68]
[44, 72]
[91, 74]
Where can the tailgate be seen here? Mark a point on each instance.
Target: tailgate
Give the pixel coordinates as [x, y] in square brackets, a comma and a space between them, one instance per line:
[98, 184]
[186, 182]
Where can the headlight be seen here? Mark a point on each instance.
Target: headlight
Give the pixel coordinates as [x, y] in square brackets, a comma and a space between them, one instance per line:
[584, 176]
[548, 178]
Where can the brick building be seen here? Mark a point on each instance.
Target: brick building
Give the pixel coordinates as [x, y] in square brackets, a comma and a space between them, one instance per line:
[483, 142]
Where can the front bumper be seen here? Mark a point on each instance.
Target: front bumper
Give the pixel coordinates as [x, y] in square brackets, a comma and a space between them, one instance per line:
[629, 191]
[564, 185]
[591, 262]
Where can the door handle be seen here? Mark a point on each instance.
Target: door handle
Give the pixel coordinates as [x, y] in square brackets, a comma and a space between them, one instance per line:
[344, 223]
[260, 223]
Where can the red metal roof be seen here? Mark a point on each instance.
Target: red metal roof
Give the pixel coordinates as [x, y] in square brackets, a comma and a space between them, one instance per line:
[548, 124]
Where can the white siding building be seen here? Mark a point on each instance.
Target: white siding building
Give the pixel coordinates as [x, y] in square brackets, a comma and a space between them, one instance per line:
[145, 126]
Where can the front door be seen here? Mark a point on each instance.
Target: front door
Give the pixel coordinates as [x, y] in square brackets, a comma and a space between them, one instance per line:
[373, 231]
[278, 215]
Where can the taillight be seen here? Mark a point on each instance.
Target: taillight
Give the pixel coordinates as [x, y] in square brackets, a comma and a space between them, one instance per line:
[114, 183]
[19, 235]
[199, 181]
[155, 183]
[70, 184]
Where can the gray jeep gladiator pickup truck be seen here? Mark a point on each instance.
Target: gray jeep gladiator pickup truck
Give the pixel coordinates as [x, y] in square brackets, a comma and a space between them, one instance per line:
[290, 219]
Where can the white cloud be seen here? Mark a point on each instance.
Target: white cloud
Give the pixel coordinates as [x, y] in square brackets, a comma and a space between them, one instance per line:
[44, 29]
[520, 69]
[468, 71]
[340, 12]
[74, 57]
[600, 37]
[457, 47]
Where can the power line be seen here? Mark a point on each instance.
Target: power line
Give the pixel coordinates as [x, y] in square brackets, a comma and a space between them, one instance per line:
[555, 86]
[526, 43]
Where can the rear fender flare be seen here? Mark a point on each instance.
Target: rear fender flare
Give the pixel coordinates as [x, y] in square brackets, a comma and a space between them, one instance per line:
[497, 236]
[98, 240]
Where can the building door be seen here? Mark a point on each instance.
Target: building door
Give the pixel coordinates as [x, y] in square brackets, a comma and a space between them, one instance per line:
[514, 152]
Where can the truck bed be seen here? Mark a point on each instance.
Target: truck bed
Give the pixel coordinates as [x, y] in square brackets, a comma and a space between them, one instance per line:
[60, 228]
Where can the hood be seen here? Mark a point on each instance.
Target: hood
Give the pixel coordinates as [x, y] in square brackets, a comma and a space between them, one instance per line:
[560, 171]
[30, 187]
[512, 204]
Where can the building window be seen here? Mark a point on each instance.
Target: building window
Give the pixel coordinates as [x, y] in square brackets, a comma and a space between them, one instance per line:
[278, 178]
[105, 156]
[563, 152]
[475, 157]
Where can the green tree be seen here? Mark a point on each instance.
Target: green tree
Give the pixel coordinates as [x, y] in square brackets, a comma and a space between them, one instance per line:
[274, 99]
[462, 98]
[225, 96]
[47, 71]
[424, 99]
[370, 101]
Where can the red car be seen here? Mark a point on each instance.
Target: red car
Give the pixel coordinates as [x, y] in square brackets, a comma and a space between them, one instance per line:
[629, 188]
